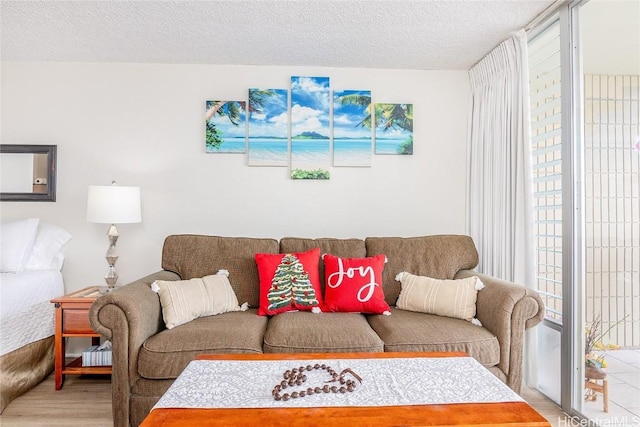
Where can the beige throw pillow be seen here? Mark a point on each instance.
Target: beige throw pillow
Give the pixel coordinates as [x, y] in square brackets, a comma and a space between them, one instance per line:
[185, 300]
[451, 298]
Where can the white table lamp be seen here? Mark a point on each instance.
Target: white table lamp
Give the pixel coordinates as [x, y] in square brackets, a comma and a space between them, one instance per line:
[112, 204]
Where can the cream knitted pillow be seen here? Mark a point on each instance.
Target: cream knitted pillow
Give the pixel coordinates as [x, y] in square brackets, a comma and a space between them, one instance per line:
[185, 300]
[451, 298]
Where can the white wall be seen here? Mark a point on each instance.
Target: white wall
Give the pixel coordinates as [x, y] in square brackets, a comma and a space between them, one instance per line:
[610, 31]
[142, 125]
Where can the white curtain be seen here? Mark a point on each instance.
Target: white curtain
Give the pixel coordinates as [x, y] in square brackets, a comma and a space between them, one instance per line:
[500, 202]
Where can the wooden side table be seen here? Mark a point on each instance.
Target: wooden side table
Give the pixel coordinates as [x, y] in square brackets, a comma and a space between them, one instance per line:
[72, 320]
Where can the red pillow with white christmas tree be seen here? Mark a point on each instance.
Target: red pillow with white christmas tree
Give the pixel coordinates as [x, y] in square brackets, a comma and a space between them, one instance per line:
[289, 282]
[354, 284]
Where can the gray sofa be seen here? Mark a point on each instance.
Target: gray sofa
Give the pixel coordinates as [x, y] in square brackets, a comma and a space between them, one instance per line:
[147, 357]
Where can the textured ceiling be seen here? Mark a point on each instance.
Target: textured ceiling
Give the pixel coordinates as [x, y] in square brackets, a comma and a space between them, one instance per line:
[404, 34]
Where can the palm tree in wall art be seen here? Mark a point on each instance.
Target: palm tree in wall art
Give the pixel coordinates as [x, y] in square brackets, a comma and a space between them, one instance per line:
[394, 128]
[225, 130]
[310, 150]
[352, 142]
[268, 127]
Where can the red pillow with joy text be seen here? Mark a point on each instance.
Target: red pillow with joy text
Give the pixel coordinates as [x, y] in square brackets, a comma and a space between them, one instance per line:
[289, 282]
[354, 284]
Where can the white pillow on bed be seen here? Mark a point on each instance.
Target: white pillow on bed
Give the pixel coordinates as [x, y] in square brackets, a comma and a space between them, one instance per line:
[16, 242]
[48, 248]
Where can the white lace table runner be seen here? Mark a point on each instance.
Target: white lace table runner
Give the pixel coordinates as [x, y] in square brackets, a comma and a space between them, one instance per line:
[385, 382]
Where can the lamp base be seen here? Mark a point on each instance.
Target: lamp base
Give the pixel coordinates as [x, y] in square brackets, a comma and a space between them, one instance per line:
[111, 276]
[105, 289]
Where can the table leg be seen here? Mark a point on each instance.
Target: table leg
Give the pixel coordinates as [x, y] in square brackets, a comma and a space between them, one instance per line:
[59, 350]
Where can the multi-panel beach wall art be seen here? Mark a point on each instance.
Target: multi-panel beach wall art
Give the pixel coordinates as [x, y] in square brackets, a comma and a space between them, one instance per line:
[307, 129]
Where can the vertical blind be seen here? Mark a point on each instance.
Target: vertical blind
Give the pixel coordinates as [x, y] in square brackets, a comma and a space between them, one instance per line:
[545, 91]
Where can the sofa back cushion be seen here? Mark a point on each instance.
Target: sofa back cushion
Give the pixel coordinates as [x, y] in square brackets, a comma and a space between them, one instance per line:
[440, 257]
[344, 248]
[192, 256]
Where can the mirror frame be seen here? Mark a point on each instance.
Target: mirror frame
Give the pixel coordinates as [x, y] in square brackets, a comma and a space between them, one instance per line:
[51, 152]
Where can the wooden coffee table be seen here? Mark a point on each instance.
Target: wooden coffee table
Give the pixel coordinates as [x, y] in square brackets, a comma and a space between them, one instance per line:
[485, 414]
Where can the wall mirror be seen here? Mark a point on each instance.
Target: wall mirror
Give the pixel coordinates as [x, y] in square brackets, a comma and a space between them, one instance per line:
[28, 173]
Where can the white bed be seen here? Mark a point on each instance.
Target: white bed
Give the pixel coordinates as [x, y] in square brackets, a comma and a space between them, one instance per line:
[26, 313]
[32, 256]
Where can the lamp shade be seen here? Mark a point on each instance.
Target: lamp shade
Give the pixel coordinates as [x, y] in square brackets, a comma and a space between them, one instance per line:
[112, 204]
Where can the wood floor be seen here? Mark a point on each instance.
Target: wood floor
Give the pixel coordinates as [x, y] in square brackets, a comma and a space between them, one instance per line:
[82, 401]
[86, 401]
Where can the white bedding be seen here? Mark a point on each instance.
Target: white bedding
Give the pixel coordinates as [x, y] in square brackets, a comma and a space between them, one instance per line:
[26, 313]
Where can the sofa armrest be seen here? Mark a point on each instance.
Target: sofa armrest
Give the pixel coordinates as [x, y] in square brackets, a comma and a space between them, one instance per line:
[506, 310]
[127, 316]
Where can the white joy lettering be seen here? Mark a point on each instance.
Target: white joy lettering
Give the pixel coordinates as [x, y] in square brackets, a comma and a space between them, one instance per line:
[369, 287]
[366, 291]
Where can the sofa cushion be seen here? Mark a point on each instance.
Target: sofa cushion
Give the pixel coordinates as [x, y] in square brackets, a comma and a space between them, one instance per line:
[346, 248]
[165, 354]
[411, 331]
[440, 257]
[289, 282]
[353, 284]
[193, 256]
[304, 332]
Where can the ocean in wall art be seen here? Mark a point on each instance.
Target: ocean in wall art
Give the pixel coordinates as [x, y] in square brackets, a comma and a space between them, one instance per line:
[225, 127]
[310, 143]
[268, 127]
[352, 141]
[394, 128]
